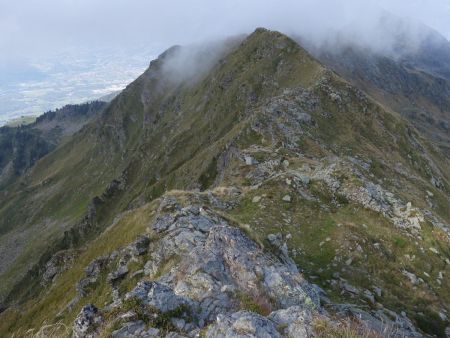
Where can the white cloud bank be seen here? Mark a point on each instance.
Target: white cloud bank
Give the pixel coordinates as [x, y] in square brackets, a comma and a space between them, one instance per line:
[30, 28]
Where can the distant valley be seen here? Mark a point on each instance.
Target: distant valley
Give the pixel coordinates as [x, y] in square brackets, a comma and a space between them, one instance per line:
[69, 78]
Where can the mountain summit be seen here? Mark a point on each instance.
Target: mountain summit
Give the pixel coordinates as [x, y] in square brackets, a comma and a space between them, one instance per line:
[238, 189]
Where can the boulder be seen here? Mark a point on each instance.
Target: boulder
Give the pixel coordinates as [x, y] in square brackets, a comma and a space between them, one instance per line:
[295, 321]
[130, 329]
[140, 246]
[243, 324]
[87, 322]
[256, 199]
[117, 275]
[157, 295]
[287, 198]
[59, 262]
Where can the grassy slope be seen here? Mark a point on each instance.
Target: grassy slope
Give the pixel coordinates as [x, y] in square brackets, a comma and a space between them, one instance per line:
[419, 96]
[24, 143]
[121, 233]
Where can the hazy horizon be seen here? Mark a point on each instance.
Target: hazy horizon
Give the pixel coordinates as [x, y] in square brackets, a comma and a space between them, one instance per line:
[66, 51]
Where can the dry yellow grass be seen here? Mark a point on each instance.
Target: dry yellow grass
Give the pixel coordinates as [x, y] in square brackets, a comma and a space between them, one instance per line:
[57, 330]
[348, 328]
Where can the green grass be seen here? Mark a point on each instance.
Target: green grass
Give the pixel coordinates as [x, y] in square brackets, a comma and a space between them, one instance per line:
[400, 242]
[54, 300]
[254, 303]
[316, 235]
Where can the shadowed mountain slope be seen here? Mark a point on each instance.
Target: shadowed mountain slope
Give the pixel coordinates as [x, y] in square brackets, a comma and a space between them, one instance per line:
[22, 146]
[414, 81]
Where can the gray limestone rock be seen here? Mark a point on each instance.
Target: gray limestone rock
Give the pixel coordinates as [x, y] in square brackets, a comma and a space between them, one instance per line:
[295, 321]
[130, 329]
[242, 324]
[156, 295]
[59, 262]
[87, 322]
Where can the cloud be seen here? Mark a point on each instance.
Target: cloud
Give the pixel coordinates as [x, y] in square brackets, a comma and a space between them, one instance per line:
[191, 62]
[31, 28]
[78, 48]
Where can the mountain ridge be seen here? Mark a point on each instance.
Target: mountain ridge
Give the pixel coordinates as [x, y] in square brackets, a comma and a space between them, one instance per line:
[293, 138]
[413, 81]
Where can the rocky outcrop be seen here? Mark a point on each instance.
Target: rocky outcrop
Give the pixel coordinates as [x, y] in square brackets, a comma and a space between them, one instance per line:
[203, 265]
[366, 193]
[387, 323]
[222, 256]
[204, 274]
[135, 329]
[295, 321]
[92, 273]
[59, 262]
[243, 324]
[87, 323]
[158, 296]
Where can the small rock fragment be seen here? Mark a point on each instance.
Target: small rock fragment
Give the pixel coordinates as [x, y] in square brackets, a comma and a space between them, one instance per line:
[256, 199]
[287, 198]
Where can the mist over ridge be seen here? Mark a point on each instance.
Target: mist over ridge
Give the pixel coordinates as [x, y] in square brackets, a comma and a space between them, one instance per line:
[46, 42]
[43, 27]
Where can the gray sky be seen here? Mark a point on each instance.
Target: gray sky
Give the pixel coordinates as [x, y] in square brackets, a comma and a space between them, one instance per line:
[54, 52]
[31, 28]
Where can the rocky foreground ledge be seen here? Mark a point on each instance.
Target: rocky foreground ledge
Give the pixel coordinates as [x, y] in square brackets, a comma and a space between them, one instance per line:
[204, 277]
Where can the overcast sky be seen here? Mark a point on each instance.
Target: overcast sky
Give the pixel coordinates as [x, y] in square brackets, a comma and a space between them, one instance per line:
[31, 28]
[54, 52]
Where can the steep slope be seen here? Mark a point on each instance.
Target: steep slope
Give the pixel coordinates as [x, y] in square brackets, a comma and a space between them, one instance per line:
[305, 164]
[412, 81]
[432, 54]
[194, 272]
[22, 146]
[158, 134]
